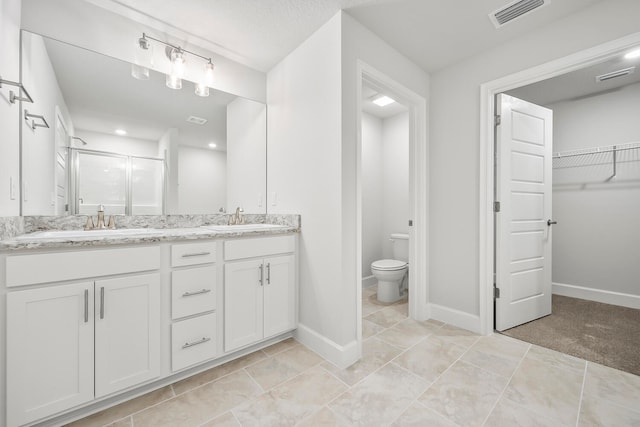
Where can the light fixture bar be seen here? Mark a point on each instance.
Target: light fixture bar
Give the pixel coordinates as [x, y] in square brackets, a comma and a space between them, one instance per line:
[178, 48]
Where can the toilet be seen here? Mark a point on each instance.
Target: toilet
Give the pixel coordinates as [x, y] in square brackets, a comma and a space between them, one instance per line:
[391, 272]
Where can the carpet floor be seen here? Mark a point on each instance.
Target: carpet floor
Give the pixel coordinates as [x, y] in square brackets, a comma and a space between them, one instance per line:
[601, 333]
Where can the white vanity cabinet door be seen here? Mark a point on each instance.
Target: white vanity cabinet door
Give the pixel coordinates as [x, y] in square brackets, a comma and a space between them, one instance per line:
[127, 328]
[243, 299]
[50, 335]
[279, 295]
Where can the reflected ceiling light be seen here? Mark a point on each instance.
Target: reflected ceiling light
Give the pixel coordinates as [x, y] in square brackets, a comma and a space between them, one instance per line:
[202, 88]
[633, 54]
[176, 54]
[121, 132]
[383, 100]
[212, 145]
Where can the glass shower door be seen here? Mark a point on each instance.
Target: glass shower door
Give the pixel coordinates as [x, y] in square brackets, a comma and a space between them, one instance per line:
[101, 180]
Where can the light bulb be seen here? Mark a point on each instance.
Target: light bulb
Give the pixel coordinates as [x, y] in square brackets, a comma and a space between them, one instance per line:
[173, 82]
[143, 59]
[177, 63]
[202, 88]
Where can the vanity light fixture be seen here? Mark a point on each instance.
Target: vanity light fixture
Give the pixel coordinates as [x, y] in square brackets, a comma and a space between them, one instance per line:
[633, 54]
[383, 100]
[120, 132]
[176, 55]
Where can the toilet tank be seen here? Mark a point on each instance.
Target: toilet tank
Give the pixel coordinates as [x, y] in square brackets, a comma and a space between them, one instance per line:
[400, 246]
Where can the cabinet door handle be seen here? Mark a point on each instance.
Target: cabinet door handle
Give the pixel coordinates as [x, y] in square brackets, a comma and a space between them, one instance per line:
[195, 254]
[268, 273]
[190, 294]
[194, 343]
[86, 306]
[261, 267]
[102, 302]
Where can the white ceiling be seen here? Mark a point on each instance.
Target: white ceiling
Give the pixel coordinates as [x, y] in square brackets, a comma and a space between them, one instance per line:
[260, 33]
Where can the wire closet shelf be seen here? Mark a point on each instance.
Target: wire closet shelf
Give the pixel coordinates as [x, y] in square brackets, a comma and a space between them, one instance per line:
[610, 154]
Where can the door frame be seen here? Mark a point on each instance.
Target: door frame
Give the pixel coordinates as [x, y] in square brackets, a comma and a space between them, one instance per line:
[488, 90]
[418, 192]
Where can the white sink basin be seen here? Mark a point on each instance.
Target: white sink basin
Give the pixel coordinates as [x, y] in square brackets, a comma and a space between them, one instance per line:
[89, 234]
[244, 227]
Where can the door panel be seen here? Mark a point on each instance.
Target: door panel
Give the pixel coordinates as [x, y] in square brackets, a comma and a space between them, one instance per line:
[243, 303]
[279, 295]
[523, 186]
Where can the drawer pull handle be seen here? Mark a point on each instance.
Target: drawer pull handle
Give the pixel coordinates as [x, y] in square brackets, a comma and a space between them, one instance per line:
[190, 294]
[102, 302]
[268, 273]
[86, 306]
[196, 254]
[191, 344]
[261, 267]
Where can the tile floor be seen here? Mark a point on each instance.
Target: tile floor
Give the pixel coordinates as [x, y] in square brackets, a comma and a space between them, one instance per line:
[411, 374]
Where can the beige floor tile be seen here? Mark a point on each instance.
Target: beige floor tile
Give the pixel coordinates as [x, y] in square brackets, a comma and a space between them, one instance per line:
[510, 414]
[375, 353]
[225, 420]
[368, 291]
[613, 385]
[407, 333]
[420, 416]
[370, 329]
[282, 366]
[386, 317]
[127, 422]
[556, 359]
[292, 401]
[124, 409]
[217, 372]
[201, 404]
[379, 399]
[596, 412]
[497, 354]
[456, 336]
[324, 418]
[464, 394]
[430, 358]
[402, 309]
[280, 346]
[369, 308]
[547, 384]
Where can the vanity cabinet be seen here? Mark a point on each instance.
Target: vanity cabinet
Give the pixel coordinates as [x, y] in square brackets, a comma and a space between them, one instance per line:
[259, 292]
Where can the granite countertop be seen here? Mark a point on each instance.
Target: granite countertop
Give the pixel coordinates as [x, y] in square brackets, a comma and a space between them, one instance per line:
[48, 239]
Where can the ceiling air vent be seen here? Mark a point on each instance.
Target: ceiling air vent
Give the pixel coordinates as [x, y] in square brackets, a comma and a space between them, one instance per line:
[614, 74]
[515, 10]
[196, 120]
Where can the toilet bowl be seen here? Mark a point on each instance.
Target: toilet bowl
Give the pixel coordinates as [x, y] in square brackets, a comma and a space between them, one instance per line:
[391, 272]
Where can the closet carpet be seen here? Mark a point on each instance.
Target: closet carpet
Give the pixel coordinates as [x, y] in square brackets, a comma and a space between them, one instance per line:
[601, 333]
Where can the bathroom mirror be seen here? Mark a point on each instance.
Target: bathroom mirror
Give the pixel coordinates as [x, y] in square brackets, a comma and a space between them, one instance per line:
[135, 146]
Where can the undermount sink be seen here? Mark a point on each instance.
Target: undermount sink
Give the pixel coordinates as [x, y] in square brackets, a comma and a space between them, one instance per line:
[89, 234]
[244, 227]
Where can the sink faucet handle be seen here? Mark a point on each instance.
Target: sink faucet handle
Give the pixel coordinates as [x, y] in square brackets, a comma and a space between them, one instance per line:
[89, 225]
[112, 223]
[100, 208]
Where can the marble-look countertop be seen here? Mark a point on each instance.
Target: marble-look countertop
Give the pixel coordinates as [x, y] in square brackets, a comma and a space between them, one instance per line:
[145, 236]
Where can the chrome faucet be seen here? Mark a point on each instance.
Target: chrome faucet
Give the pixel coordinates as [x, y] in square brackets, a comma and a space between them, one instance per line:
[237, 218]
[100, 224]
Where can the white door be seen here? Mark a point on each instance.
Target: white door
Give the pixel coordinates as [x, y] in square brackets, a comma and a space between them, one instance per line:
[279, 295]
[49, 351]
[243, 303]
[523, 189]
[127, 313]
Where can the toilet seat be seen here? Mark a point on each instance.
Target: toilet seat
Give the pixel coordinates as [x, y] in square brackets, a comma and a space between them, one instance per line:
[388, 265]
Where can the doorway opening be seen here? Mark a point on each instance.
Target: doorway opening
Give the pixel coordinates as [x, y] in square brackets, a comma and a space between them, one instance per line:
[595, 166]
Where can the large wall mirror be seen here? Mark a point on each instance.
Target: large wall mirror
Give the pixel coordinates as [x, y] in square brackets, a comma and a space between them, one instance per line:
[135, 146]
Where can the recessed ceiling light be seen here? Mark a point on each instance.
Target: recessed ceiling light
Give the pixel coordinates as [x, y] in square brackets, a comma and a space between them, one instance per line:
[212, 145]
[121, 132]
[383, 101]
[633, 54]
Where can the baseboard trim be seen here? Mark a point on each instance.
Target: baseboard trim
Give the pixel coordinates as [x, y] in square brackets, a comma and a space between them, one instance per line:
[341, 356]
[470, 322]
[369, 281]
[597, 295]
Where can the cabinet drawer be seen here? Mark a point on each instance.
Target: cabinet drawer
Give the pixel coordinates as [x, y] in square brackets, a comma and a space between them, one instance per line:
[193, 254]
[250, 248]
[193, 291]
[193, 341]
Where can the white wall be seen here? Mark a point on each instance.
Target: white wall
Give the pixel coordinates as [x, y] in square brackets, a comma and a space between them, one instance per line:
[9, 113]
[597, 240]
[372, 192]
[246, 153]
[92, 27]
[38, 145]
[202, 176]
[454, 136]
[395, 183]
[116, 144]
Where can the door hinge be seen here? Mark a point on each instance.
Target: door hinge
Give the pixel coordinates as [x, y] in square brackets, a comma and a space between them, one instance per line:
[496, 292]
[496, 206]
[497, 120]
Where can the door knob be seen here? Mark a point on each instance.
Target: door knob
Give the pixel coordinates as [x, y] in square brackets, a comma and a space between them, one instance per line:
[550, 223]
